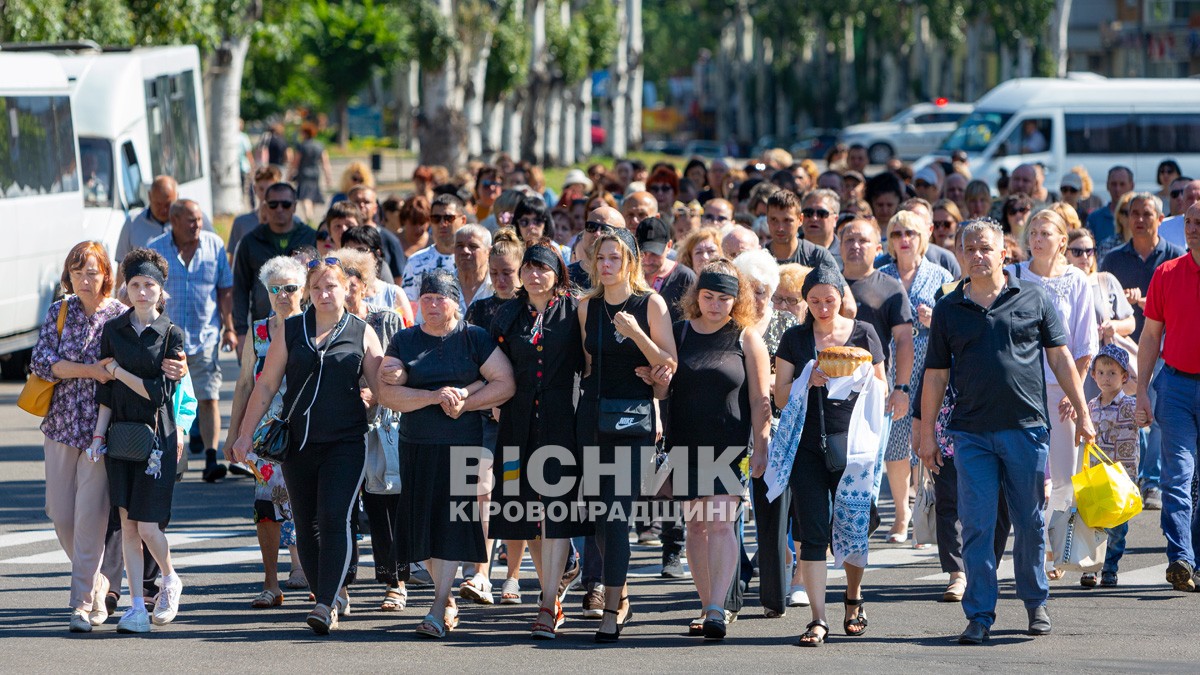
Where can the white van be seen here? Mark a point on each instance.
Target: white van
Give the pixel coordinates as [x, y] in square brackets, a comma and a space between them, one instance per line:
[140, 113]
[40, 203]
[1091, 121]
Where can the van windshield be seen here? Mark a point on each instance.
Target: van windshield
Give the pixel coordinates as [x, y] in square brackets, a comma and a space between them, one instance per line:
[976, 131]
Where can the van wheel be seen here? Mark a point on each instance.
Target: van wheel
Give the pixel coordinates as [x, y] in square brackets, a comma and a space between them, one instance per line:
[13, 367]
[880, 153]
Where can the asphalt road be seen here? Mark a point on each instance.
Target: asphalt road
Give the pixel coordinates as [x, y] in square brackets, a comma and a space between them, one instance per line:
[1141, 626]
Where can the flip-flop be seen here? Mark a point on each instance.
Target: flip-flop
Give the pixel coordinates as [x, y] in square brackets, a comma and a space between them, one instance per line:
[267, 598]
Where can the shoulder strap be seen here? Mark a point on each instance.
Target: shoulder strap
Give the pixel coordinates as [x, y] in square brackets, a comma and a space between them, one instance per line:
[62, 314]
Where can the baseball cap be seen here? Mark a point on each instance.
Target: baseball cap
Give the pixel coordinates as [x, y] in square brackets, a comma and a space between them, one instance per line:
[1071, 180]
[854, 175]
[928, 175]
[653, 235]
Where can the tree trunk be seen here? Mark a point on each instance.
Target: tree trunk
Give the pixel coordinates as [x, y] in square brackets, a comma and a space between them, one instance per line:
[848, 95]
[1059, 21]
[973, 84]
[533, 129]
[552, 126]
[719, 82]
[636, 79]
[493, 127]
[583, 125]
[224, 113]
[473, 101]
[567, 127]
[618, 85]
[510, 140]
[405, 83]
[762, 86]
[744, 68]
[1024, 57]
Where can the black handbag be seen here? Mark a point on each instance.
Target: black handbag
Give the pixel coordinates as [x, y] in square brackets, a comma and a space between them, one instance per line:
[628, 417]
[835, 447]
[132, 441]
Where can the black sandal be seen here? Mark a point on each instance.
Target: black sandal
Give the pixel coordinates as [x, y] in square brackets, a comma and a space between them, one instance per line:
[859, 620]
[609, 638]
[714, 629]
[813, 640]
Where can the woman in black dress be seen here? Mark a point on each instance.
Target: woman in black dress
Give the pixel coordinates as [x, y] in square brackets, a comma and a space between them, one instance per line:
[625, 327]
[539, 332]
[138, 342]
[433, 374]
[813, 484]
[719, 404]
[323, 354]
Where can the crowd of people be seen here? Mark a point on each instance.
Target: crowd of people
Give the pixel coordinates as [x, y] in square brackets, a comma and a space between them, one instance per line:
[644, 337]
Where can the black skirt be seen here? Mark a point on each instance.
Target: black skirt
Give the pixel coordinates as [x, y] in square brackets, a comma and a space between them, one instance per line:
[432, 522]
[146, 498]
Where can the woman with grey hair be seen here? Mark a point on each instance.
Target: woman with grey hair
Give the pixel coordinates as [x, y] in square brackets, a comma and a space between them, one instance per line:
[771, 517]
[283, 277]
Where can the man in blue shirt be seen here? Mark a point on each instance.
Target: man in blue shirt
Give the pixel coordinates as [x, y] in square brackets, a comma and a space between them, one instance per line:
[154, 220]
[995, 331]
[200, 301]
[1102, 221]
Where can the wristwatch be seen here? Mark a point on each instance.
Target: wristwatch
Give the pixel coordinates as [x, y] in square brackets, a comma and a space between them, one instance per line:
[904, 388]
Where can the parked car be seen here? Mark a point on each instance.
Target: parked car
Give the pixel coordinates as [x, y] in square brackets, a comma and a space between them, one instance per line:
[814, 143]
[710, 149]
[911, 133]
[663, 147]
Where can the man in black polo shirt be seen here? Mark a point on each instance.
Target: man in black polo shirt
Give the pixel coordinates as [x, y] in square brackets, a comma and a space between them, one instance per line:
[667, 277]
[1133, 264]
[995, 331]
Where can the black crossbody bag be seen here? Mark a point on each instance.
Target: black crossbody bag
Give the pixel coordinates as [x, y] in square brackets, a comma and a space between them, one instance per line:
[135, 441]
[627, 417]
[835, 447]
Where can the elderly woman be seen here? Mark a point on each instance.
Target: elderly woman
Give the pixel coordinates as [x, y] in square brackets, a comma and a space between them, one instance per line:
[539, 333]
[700, 247]
[771, 517]
[907, 241]
[1071, 294]
[718, 400]
[137, 409]
[434, 373]
[626, 337]
[272, 512]
[815, 473]
[67, 353]
[382, 509]
[325, 461]
[789, 295]
[377, 293]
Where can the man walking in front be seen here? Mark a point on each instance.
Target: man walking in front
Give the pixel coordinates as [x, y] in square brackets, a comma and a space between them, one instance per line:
[995, 331]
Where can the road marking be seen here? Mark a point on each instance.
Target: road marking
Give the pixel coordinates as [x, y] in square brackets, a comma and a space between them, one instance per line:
[1146, 576]
[29, 537]
[176, 539]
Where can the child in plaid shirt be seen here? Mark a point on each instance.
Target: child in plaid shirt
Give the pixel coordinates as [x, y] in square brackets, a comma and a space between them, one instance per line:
[1117, 435]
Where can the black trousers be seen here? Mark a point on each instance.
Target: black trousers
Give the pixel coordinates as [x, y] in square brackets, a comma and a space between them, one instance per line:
[774, 556]
[322, 482]
[949, 529]
[382, 513]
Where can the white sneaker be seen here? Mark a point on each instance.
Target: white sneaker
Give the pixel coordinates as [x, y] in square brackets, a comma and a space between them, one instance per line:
[99, 613]
[134, 621]
[168, 602]
[79, 622]
[797, 597]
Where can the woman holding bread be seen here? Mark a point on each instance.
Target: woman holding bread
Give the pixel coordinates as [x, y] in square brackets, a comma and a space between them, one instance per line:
[845, 345]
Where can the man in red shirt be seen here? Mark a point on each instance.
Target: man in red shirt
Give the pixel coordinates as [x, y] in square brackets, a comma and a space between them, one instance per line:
[1172, 312]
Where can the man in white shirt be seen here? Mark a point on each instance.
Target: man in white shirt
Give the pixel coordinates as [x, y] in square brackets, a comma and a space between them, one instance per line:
[446, 216]
[1171, 229]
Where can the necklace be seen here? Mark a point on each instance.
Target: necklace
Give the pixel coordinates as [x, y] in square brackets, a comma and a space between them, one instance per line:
[616, 333]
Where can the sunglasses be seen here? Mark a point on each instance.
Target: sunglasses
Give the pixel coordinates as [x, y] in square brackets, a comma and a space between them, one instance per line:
[286, 288]
[922, 184]
[443, 218]
[596, 226]
[528, 222]
[489, 184]
[1081, 252]
[1066, 189]
[323, 235]
[943, 224]
[1019, 209]
[714, 218]
[903, 234]
[1175, 194]
[312, 264]
[819, 213]
[661, 187]
[280, 204]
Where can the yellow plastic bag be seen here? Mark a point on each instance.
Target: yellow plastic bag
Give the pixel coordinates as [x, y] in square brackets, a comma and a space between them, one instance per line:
[1104, 494]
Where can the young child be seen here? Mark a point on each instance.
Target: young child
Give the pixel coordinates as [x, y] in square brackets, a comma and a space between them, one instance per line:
[1117, 435]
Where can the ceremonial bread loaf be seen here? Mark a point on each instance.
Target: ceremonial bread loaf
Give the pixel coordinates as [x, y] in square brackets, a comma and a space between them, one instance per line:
[842, 361]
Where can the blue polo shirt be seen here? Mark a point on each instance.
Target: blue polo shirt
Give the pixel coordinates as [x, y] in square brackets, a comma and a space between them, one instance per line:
[1124, 263]
[1101, 223]
[997, 355]
[192, 302]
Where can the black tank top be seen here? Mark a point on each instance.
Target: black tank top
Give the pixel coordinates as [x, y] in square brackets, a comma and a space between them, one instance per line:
[618, 359]
[337, 412]
[710, 394]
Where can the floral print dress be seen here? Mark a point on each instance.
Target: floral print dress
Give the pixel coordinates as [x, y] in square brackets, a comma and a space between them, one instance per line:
[270, 492]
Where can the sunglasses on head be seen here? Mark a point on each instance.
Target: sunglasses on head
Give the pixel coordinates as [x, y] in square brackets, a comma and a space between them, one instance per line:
[312, 264]
[286, 288]
[596, 226]
[819, 213]
[280, 204]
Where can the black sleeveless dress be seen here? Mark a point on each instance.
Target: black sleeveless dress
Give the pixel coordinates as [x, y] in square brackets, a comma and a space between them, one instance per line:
[710, 408]
[329, 382]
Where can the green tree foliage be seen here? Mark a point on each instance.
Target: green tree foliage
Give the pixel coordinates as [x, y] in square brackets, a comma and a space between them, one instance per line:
[507, 66]
[600, 17]
[106, 22]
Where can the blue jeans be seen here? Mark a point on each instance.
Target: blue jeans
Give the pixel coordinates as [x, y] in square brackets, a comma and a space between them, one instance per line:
[1116, 547]
[1178, 411]
[1016, 460]
[1150, 468]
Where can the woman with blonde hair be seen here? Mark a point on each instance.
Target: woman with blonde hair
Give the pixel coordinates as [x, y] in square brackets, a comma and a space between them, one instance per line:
[1068, 213]
[907, 242]
[946, 217]
[1121, 231]
[356, 173]
[1069, 291]
[979, 200]
[699, 248]
[718, 400]
[627, 343]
